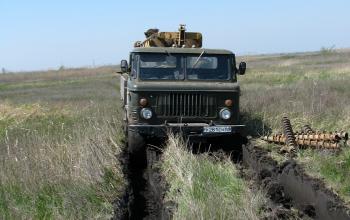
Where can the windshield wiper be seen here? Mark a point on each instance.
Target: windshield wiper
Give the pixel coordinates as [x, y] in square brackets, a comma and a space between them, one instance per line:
[199, 57]
[195, 63]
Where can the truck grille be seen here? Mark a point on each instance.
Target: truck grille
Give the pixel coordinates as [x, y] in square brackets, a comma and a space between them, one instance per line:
[186, 105]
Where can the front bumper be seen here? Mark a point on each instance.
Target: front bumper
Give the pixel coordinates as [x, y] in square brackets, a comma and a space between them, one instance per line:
[194, 130]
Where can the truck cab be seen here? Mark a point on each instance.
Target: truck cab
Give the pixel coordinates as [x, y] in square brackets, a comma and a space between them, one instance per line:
[188, 90]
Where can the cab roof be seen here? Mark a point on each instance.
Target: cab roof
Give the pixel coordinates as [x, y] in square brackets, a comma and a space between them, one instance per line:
[179, 50]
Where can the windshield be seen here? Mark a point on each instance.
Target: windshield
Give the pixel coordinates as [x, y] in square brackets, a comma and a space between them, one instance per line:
[207, 67]
[161, 67]
[178, 67]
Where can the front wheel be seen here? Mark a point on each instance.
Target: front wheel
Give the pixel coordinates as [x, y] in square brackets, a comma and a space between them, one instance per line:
[136, 143]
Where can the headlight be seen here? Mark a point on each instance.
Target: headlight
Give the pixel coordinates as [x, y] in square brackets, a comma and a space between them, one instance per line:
[225, 114]
[146, 113]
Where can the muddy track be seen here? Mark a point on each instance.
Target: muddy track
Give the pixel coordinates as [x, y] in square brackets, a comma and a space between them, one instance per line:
[143, 197]
[157, 188]
[292, 193]
[289, 185]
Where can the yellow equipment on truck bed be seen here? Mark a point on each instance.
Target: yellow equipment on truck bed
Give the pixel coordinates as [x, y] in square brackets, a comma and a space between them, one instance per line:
[154, 38]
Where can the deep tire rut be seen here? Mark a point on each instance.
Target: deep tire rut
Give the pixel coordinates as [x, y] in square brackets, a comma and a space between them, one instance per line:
[143, 198]
[289, 185]
[292, 193]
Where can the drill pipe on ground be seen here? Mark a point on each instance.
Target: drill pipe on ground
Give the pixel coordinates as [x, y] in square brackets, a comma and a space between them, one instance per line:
[277, 139]
[324, 136]
[280, 139]
[306, 129]
[318, 144]
[319, 137]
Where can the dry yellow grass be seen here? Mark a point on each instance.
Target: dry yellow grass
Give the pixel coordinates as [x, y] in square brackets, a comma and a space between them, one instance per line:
[58, 144]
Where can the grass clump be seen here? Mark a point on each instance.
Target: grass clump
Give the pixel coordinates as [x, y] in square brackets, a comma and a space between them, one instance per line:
[207, 188]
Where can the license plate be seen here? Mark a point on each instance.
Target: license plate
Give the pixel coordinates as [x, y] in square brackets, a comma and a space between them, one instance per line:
[217, 129]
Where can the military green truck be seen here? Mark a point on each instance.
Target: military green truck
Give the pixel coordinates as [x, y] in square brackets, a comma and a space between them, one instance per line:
[171, 84]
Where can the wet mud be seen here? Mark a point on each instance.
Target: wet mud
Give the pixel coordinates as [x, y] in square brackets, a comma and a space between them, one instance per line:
[289, 185]
[144, 195]
[292, 193]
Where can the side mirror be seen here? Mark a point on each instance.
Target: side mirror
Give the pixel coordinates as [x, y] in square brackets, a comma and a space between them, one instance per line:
[124, 66]
[241, 68]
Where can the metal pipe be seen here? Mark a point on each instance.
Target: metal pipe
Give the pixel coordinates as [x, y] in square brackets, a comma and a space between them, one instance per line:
[319, 137]
[318, 144]
[281, 139]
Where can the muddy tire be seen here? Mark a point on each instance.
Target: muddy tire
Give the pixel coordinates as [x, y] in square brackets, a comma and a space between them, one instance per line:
[136, 143]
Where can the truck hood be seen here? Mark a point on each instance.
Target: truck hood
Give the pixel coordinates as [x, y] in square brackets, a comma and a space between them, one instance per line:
[184, 86]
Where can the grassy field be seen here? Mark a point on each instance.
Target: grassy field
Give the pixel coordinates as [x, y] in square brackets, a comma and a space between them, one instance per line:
[309, 88]
[60, 132]
[208, 187]
[59, 135]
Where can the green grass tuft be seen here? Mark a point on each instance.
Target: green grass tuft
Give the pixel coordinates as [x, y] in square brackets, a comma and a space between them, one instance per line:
[207, 188]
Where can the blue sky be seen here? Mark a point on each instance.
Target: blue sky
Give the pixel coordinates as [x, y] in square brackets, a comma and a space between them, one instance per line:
[46, 34]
